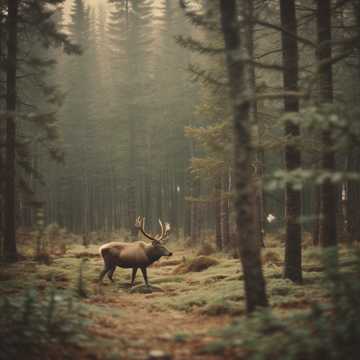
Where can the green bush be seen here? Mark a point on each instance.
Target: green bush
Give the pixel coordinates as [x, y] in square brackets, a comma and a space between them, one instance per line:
[330, 331]
[30, 327]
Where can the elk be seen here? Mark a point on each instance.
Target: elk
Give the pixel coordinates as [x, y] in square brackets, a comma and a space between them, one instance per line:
[135, 255]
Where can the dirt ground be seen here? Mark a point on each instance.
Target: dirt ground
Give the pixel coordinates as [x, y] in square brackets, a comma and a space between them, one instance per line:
[178, 318]
[145, 326]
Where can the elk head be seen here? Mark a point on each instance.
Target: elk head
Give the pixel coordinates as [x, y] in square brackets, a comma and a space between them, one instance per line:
[157, 241]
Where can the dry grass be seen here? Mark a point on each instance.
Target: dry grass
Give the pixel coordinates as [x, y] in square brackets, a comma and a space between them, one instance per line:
[206, 249]
[197, 264]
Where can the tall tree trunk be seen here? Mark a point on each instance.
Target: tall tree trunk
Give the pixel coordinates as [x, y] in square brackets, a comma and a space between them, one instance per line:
[187, 207]
[195, 212]
[159, 200]
[237, 50]
[225, 209]
[174, 204]
[353, 199]
[316, 225]
[353, 164]
[328, 203]
[10, 250]
[290, 54]
[218, 212]
[254, 119]
[132, 179]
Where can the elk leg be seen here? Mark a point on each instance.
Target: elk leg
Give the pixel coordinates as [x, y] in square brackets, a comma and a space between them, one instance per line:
[134, 270]
[107, 267]
[143, 270]
[110, 273]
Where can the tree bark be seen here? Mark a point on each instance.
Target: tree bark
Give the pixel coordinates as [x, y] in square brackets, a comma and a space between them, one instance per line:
[237, 52]
[328, 205]
[316, 225]
[10, 250]
[132, 179]
[218, 217]
[225, 209]
[290, 55]
[195, 213]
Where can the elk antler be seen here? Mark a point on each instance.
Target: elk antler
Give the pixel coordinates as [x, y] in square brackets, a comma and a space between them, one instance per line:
[139, 224]
[167, 229]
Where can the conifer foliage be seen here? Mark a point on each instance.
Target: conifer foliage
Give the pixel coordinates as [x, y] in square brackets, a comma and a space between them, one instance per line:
[26, 25]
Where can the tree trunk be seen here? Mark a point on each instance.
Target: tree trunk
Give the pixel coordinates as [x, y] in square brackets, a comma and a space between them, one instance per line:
[290, 54]
[195, 213]
[353, 165]
[174, 205]
[132, 179]
[10, 250]
[225, 209]
[218, 217]
[187, 208]
[316, 226]
[328, 203]
[237, 50]
[353, 199]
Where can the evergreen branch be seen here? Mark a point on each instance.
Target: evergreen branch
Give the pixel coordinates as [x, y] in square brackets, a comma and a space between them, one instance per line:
[197, 46]
[206, 77]
[30, 170]
[197, 19]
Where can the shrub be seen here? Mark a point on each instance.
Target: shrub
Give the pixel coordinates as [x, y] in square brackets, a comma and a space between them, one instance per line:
[330, 331]
[29, 328]
[206, 249]
[197, 264]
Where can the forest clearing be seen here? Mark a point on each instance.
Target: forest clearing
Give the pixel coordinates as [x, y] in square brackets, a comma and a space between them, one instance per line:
[192, 298]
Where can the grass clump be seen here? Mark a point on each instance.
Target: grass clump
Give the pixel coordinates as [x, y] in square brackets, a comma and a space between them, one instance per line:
[223, 307]
[271, 257]
[30, 327]
[329, 331]
[206, 249]
[200, 263]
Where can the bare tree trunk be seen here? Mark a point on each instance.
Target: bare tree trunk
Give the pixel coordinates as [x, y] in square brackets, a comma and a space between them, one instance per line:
[195, 213]
[132, 179]
[187, 208]
[290, 53]
[353, 199]
[225, 209]
[174, 204]
[218, 212]
[159, 197]
[10, 250]
[328, 203]
[353, 164]
[316, 226]
[237, 52]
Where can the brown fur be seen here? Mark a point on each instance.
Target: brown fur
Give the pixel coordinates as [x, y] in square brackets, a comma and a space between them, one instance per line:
[134, 255]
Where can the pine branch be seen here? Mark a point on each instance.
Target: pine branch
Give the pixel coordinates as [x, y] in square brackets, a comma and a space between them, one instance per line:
[197, 19]
[197, 46]
[206, 77]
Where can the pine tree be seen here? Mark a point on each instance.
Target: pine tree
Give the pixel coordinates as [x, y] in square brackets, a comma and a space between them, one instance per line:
[327, 190]
[10, 250]
[292, 265]
[237, 50]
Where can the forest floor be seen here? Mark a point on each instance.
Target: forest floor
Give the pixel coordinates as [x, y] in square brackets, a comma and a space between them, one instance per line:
[182, 313]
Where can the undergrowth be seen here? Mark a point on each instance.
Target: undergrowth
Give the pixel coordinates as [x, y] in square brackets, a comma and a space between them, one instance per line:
[30, 326]
[330, 331]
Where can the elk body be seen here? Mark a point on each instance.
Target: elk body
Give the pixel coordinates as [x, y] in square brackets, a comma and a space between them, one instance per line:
[134, 255]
